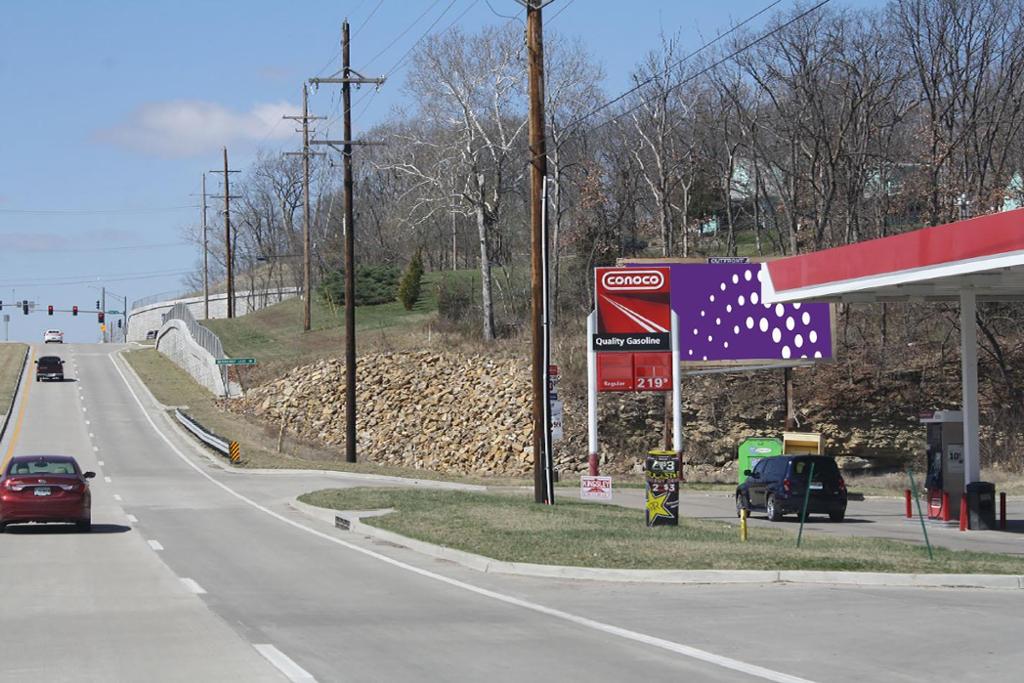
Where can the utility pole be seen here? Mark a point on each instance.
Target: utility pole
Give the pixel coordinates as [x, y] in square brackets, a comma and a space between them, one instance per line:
[305, 154]
[543, 474]
[206, 265]
[346, 80]
[228, 251]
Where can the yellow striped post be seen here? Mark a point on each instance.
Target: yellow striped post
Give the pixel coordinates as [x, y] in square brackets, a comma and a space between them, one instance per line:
[236, 452]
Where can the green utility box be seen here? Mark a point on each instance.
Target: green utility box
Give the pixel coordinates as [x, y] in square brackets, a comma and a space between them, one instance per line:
[753, 449]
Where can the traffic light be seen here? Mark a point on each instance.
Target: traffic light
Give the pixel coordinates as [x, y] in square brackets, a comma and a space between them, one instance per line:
[24, 307]
[74, 310]
[1, 305]
[100, 317]
[49, 310]
[97, 304]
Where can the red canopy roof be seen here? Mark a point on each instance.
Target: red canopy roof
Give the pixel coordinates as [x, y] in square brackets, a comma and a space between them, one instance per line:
[985, 254]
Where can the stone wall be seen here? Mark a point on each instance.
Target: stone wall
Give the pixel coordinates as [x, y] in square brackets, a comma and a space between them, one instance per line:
[471, 414]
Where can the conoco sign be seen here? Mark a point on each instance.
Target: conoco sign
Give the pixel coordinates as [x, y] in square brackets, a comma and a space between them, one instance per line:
[634, 311]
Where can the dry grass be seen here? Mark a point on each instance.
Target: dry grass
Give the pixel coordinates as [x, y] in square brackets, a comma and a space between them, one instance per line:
[515, 529]
[11, 357]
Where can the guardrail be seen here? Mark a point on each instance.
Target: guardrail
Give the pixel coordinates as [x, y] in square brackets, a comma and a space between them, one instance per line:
[229, 449]
[161, 296]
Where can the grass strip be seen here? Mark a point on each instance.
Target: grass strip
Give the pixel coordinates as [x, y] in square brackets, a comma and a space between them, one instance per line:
[514, 529]
[11, 357]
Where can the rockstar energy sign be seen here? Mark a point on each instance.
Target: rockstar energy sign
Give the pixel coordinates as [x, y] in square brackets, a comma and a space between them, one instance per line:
[662, 472]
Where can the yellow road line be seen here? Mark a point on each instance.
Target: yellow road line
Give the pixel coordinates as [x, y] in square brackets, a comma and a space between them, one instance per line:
[26, 386]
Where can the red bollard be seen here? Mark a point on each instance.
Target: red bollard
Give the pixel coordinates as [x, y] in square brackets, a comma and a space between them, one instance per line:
[906, 497]
[945, 506]
[1002, 510]
[963, 513]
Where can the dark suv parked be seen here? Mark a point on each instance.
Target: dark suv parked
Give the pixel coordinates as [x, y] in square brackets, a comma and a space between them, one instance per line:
[777, 486]
[49, 367]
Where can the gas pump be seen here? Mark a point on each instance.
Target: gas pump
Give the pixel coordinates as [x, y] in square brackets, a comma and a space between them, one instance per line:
[944, 480]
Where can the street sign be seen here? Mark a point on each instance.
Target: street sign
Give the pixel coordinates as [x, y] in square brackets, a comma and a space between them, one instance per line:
[556, 420]
[235, 361]
[595, 488]
[103, 328]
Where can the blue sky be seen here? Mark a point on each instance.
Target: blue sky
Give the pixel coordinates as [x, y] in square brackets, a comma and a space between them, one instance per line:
[113, 110]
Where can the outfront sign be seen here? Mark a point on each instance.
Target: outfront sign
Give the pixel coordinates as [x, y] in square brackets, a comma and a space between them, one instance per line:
[634, 310]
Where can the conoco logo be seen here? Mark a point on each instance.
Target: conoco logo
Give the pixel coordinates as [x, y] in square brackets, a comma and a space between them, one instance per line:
[633, 280]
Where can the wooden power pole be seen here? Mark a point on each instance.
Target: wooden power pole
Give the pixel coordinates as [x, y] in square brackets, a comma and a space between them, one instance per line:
[543, 475]
[346, 78]
[206, 264]
[228, 251]
[305, 154]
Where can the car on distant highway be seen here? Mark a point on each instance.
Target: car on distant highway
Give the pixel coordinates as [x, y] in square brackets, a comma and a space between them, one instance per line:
[53, 337]
[49, 368]
[45, 488]
[778, 485]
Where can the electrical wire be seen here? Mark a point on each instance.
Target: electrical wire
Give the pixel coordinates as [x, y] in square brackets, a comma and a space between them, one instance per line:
[618, 98]
[92, 212]
[367, 19]
[404, 31]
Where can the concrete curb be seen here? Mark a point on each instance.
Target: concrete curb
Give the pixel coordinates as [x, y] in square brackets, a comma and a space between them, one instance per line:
[352, 521]
[14, 395]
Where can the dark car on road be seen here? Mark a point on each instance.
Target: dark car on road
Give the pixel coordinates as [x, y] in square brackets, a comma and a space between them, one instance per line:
[777, 486]
[45, 488]
[49, 368]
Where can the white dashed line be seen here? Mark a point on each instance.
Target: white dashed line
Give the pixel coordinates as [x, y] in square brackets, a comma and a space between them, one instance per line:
[117, 497]
[95, 449]
[292, 671]
[100, 463]
[91, 435]
[132, 519]
[106, 479]
[84, 409]
[193, 586]
[87, 422]
[155, 545]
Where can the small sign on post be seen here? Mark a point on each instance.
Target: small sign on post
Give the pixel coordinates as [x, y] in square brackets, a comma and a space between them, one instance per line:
[235, 361]
[595, 488]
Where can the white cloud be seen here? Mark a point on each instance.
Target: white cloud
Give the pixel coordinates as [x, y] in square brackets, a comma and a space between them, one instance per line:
[184, 128]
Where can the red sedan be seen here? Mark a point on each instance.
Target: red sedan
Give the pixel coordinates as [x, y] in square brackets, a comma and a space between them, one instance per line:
[45, 488]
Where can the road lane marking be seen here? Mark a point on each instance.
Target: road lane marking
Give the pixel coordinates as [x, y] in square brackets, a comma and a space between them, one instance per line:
[100, 463]
[107, 479]
[87, 422]
[84, 409]
[285, 664]
[626, 634]
[193, 586]
[117, 497]
[132, 519]
[155, 545]
[91, 435]
[26, 387]
[95, 449]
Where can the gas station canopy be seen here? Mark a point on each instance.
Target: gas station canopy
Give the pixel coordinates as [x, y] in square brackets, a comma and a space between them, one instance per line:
[979, 259]
[983, 255]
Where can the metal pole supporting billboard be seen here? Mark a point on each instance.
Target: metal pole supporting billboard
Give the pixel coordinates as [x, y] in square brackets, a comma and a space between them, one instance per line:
[549, 456]
[677, 393]
[592, 458]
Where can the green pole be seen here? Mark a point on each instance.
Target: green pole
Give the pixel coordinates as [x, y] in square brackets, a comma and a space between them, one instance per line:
[924, 529]
[807, 498]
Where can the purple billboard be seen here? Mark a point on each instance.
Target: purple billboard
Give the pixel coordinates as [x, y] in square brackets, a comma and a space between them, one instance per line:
[722, 319]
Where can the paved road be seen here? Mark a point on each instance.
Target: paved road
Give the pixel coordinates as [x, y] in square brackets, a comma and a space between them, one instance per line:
[284, 595]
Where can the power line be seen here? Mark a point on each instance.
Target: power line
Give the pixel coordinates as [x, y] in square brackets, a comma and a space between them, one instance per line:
[404, 31]
[398, 64]
[126, 247]
[689, 56]
[91, 212]
[368, 17]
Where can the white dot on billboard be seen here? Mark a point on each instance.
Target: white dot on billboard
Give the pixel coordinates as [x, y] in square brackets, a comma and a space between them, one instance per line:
[806, 318]
[725, 345]
[711, 298]
[718, 321]
[695, 331]
[722, 286]
[790, 323]
[764, 324]
[817, 354]
[702, 314]
[786, 353]
[803, 355]
[736, 328]
[776, 335]
[747, 275]
[741, 300]
[779, 310]
[710, 338]
[728, 308]
[813, 336]
[750, 323]
[798, 341]
[753, 297]
[796, 307]
[691, 352]
[704, 357]
[760, 276]
[735, 279]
